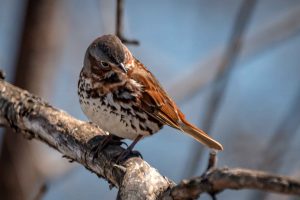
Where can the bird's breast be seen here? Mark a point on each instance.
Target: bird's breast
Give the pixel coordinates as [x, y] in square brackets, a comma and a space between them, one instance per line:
[116, 111]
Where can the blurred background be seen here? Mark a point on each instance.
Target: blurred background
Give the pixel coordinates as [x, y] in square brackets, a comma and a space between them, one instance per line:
[232, 66]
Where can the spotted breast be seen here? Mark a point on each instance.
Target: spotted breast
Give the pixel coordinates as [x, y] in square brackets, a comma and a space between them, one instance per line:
[116, 110]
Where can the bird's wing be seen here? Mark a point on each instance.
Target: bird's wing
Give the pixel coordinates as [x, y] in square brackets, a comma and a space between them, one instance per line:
[156, 102]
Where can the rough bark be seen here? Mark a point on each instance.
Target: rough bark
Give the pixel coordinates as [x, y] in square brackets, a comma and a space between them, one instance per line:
[135, 178]
[75, 139]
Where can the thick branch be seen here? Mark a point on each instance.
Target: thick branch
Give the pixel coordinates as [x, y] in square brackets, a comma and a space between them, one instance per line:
[135, 179]
[35, 118]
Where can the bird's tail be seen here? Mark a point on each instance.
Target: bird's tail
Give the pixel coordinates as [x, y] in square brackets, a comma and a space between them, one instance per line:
[200, 135]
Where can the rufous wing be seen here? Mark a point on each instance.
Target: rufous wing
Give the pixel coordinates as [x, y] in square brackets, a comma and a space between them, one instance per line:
[156, 102]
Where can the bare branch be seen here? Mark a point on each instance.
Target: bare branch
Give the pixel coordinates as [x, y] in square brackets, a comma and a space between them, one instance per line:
[212, 160]
[2, 75]
[120, 24]
[135, 178]
[217, 180]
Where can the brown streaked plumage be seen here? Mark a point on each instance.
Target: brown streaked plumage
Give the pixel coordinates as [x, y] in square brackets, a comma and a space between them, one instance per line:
[119, 94]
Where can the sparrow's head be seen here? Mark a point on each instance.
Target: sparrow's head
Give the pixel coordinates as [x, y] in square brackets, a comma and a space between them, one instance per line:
[106, 54]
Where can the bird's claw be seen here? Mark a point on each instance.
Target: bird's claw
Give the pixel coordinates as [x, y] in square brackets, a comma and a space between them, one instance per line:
[105, 141]
[127, 153]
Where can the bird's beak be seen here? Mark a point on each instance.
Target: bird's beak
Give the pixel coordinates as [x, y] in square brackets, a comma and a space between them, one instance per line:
[122, 67]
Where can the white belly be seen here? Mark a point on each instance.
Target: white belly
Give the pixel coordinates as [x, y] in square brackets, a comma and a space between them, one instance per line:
[117, 121]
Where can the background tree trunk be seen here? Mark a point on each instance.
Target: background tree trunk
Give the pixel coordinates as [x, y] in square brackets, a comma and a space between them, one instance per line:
[21, 177]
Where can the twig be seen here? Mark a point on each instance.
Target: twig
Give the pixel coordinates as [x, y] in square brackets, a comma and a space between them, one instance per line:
[212, 163]
[120, 24]
[212, 160]
[136, 179]
[226, 67]
[2, 74]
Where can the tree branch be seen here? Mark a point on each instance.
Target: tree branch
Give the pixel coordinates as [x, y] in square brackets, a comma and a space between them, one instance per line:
[135, 178]
[217, 180]
[120, 24]
[75, 139]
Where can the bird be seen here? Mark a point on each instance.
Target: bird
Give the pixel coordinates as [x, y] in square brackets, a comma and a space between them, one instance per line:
[120, 95]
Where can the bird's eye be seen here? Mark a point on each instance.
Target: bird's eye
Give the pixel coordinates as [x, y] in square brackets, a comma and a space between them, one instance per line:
[105, 65]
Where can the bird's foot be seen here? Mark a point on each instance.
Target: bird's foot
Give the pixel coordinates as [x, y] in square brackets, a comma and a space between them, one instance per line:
[124, 155]
[105, 141]
[127, 153]
[136, 154]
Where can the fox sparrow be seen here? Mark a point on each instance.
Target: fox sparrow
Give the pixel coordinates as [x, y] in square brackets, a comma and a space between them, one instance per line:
[119, 94]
